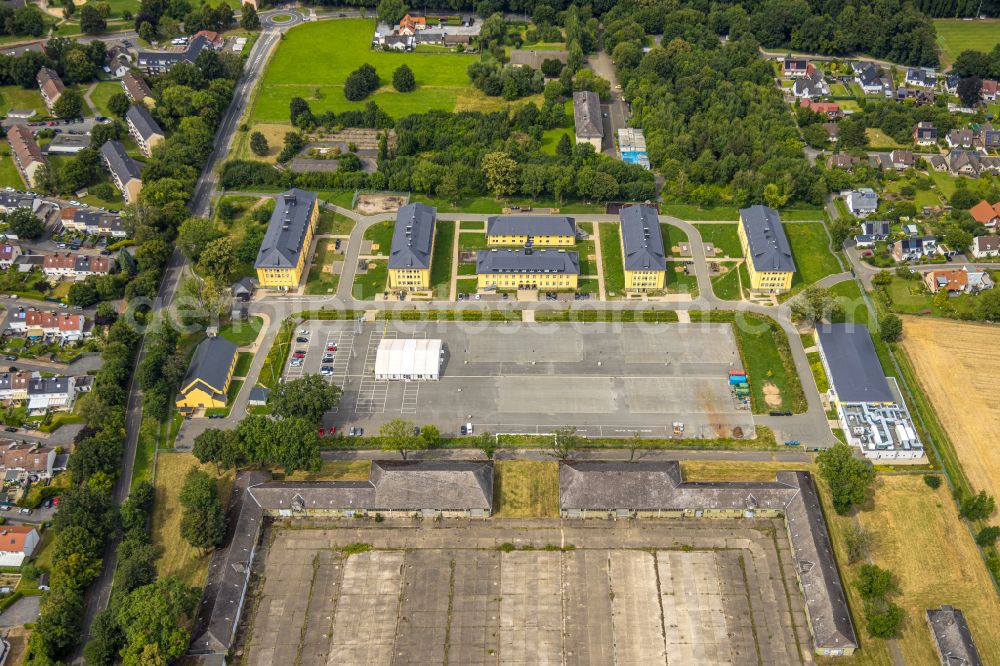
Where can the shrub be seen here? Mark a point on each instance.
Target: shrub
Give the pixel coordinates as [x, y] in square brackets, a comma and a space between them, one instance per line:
[932, 480]
[988, 536]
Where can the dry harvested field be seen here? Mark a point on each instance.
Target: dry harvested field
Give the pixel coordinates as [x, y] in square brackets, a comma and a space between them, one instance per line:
[957, 366]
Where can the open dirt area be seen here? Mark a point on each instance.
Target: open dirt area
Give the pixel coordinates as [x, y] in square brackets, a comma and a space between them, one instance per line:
[373, 204]
[958, 368]
[526, 592]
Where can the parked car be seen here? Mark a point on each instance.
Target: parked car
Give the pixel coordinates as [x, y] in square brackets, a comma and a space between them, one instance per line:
[24, 512]
[357, 432]
[299, 353]
[304, 331]
[328, 357]
[295, 362]
[326, 370]
[331, 347]
[10, 429]
[11, 357]
[301, 339]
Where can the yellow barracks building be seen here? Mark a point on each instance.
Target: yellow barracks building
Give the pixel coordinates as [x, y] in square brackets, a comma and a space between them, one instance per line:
[286, 242]
[642, 248]
[412, 248]
[769, 256]
[208, 377]
[527, 269]
[537, 230]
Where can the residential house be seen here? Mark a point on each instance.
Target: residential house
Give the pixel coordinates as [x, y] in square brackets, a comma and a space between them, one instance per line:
[412, 247]
[588, 123]
[985, 246]
[117, 61]
[124, 171]
[399, 42]
[51, 87]
[862, 202]
[137, 90]
[961, 138]
[47, 394]
[209, 375]
[286, 242]
[870, 78]
[67, 144]
[428, 37]
[9, 252]
[11, 200]
[506, 269]
[920, 77]
[409, 25]
[811, 85]
[953, 640]
[765, 245]
[27, 459]
[455, 40]
[916, 247]
[842, 161]
[14, 386]
[27, 155]
[873, 416]
[17, 542]
[642, 248]
[972, 164]
[531, 230]
[829, 109]
[985, 213]
[75, 266]
[954, 281]
[989, 138]
[158, 62]
[988, 92]
[832, 131]
[534, 59]
[978, 280]
[937, 162]
[146, 131]
[951, 83]
[243, 289]
[879, 229]
[794, 68]
[215, 40]
[901, 159]
[925, 134]
[37, 324]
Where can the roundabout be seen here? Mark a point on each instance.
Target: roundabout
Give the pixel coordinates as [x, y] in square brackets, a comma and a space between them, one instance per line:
[284, 18]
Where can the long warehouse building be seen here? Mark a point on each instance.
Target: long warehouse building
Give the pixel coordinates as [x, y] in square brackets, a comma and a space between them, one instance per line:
[409, 359]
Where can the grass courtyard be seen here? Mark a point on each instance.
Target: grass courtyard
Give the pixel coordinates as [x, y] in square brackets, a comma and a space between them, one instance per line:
[811, 250]
[343, 46]
[723, 237]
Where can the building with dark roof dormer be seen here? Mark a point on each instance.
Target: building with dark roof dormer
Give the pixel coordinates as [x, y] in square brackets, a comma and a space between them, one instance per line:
[158, 62]
[768, 254]
[645, 263]
[208, 377]
[27, 155]
[146, 132]
[137, 90]
[51, 87]
[123, 169]
[588, 124]
[534, 230]
[412, 247]
[527, 268]
[281, 259]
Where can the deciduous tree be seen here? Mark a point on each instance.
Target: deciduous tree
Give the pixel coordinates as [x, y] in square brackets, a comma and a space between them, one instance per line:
[397, 435]
[309, 397]
[849, 477]
[403, 79]
[203, 521]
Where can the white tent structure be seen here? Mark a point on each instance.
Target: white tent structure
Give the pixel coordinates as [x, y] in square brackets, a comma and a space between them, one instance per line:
[408, 359]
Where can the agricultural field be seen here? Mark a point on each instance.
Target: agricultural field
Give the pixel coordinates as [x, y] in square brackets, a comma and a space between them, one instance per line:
[343, 46]
[952, 364]
[178, 556]
[956, 35]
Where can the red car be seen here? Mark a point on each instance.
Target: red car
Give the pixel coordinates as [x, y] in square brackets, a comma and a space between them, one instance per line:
[299, 354]
[331, 347]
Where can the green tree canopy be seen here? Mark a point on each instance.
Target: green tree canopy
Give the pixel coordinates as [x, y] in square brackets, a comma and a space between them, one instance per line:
[309, 397]
[849, 477]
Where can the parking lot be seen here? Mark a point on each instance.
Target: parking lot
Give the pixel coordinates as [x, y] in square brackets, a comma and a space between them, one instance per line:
[606, 379]
[446, 594]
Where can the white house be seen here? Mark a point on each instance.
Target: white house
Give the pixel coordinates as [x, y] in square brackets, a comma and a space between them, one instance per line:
[862, 202]
[985, 246]
[16, 543]
[47, 394]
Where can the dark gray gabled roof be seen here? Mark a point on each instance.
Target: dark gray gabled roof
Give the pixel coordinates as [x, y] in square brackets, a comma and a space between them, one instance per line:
[211, 362]
[413, 236]
[855, 371]
[118, 161]
[286, 232]
[530, 225]
[140, 118]
[167, 58]
[641, 239]
[527, 261]
[769, 248]
[952, 637]
[587, 115]
[49, 385]
[442, 485]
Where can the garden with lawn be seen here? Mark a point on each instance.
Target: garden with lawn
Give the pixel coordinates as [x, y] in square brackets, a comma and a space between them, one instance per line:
[380, 234]
[343, 46]
[373, 282]
[723, 236]
[811, 251]
[242, 333]
[672, 236]
[103, 91]
[611, 259]
[321, 279]
[444, 244]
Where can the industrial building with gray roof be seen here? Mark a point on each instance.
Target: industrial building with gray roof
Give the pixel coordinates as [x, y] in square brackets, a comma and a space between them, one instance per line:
[525, 260]
[768, 245]
[630, 487]
[952, 637]
[855, 372]
[286, 232]
[413, 237]
[530, 225]
[641, 239]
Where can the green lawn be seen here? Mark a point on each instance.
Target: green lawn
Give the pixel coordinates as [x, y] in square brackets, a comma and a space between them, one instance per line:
[681, 283]
[855, 309]
[341, 47]
[810, 248]
[672, 236]
[726, 286]
[242, 333]
[611, 260]
[318, 280]
[768, 361]
[489, 205]
[586, 250]
[367, 286]
[956, 35]
[444, 243]
[550, 138]
[333, 224]
[689, 212]
[9, 175]
[471, 241]
[102, 93]
[722, 236]
[243, 361]
[16, 97]
[380, 234]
